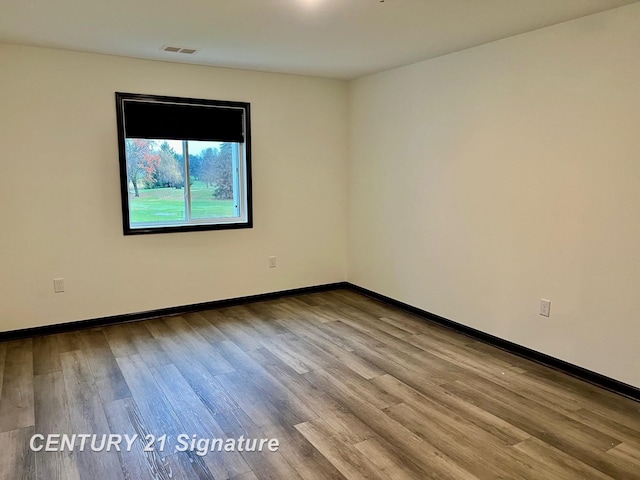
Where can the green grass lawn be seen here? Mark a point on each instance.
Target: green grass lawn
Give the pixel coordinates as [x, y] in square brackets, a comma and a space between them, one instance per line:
[167, 204]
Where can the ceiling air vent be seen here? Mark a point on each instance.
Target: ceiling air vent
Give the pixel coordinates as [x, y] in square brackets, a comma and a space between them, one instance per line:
[172, 49]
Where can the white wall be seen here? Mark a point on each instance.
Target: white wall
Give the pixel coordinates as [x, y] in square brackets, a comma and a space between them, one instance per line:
[485, 180]
[479, 182]
[60, 211]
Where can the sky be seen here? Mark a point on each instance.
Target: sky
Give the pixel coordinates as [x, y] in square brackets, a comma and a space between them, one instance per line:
[195, 147]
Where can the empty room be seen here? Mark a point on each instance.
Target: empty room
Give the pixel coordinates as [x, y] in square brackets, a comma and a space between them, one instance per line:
[320, 239]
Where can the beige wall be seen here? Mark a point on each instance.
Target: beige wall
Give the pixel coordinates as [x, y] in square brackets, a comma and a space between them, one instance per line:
[485, 180]
[60, 212]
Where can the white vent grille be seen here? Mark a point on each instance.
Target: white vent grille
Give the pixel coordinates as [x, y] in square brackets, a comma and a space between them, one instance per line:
[174, 49]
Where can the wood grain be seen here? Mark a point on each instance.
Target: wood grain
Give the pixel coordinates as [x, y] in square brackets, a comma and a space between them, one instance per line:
[137, 463]
[86, 415]
[16, 402]
[46, 355]
[197, 420]
[351, 387]
[16, 461]
[52, 417]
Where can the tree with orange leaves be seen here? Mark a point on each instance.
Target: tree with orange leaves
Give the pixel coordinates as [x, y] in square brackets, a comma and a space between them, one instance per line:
[142, 161]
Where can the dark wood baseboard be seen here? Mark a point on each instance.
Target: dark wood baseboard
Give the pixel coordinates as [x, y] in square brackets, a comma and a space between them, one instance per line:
[589, 376]
[163, 312]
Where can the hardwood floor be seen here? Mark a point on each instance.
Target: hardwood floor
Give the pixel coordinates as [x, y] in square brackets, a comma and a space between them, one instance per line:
[351, 388]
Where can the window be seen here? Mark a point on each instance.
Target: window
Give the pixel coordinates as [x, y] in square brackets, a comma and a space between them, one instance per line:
[185, 164]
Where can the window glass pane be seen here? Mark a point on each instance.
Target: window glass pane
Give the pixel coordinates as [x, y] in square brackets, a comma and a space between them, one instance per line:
[155, 171]
[214, 184]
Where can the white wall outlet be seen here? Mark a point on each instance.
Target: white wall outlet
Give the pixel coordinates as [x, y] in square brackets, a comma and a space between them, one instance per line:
[545, 307]
[58, 285]
[272, 262]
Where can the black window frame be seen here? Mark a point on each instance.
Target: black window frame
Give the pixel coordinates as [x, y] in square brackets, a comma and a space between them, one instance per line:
[121, 99]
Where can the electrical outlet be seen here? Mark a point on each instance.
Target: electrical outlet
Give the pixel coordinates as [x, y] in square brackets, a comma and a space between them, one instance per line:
[58, 285]
[545, 307]
[272, 262]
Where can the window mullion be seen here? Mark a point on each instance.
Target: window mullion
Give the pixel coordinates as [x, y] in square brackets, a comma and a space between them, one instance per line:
[187, 181]
[235, 165]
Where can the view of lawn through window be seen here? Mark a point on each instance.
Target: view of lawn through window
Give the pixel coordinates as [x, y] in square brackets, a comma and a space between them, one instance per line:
[158, 193]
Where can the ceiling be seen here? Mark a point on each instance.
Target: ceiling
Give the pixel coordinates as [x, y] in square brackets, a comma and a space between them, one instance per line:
[329, 38]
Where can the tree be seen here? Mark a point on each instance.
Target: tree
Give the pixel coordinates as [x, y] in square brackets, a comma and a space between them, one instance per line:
[222, 175]
[170, 171]
[195, 167]
[207, 165]
[216, 170]
[142, 161]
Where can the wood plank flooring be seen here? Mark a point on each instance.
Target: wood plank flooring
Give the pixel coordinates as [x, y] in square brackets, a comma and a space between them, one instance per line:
[351, 388]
